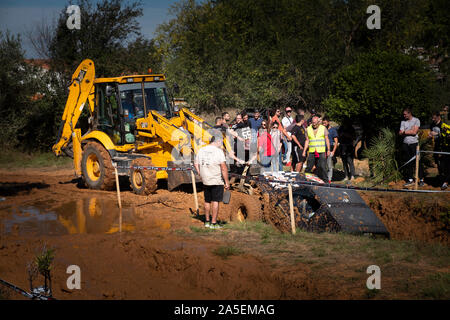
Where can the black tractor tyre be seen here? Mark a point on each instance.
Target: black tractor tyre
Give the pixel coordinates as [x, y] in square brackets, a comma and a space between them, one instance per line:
[143, 181]
[96, 167]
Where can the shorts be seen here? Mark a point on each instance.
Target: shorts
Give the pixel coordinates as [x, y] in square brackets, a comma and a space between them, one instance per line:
[298, 155]
[213, 193]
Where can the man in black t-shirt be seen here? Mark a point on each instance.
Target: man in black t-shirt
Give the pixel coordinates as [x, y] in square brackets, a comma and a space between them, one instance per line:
[242, 145]
[298, 143]
[219, 125]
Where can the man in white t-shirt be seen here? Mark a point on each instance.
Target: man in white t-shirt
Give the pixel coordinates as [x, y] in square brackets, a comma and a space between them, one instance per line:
[409, 129]
[286, 122]
[210, 163]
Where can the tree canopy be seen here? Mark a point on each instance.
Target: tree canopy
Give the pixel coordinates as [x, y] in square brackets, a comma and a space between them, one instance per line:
[377, 86]
[106, 36]
[243, 53]
[261, 53]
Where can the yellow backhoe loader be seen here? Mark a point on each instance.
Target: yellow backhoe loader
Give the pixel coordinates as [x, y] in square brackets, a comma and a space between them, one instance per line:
[131, 125]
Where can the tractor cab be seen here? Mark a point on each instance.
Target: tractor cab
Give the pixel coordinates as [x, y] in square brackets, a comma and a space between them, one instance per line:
[121, 101]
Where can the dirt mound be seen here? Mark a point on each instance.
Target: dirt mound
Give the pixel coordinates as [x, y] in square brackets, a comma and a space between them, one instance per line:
[417, 217]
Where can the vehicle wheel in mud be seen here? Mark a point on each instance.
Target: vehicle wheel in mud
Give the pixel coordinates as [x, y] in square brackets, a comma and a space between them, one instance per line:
[97, 168]
[143, 181]
[244, 207]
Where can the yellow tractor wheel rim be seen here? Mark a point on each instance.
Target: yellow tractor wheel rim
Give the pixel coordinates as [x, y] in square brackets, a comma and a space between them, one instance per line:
[138, 179]
[93, 167]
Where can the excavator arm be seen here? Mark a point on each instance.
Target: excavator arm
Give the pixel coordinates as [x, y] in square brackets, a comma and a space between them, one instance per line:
[157, 125]
[198, 127]
[81, 90]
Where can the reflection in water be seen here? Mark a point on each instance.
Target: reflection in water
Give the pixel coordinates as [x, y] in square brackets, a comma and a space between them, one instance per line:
[81, 216]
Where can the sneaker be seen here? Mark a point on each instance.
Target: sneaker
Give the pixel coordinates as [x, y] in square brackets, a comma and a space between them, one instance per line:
[207, 224]
[216, 226]
[444, 186]
[409, 183]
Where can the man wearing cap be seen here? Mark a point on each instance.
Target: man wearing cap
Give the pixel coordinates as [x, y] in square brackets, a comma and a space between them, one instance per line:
[210, 163]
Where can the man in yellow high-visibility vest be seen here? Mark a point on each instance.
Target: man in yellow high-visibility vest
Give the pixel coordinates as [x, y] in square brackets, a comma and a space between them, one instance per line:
[319, 148]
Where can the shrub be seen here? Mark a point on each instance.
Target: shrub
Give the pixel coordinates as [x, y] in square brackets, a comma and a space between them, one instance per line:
[381, 155]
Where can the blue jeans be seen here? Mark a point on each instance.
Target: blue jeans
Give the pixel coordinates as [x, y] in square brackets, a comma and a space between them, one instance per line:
[286, 147]
[266, 163]
[280, 162]
[276, 162]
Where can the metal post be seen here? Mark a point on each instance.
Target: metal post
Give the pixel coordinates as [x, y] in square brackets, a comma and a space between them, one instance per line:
[417, 167]
[117, 187]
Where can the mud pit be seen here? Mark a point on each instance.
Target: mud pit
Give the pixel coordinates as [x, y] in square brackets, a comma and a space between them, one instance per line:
[149, 258]
[412, 217]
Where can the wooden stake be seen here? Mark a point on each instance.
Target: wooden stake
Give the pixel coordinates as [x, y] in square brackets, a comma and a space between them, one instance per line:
[120, 220]
[291, 208]
[118, 188]
[194, 186]
[417, 167]
[241, 183]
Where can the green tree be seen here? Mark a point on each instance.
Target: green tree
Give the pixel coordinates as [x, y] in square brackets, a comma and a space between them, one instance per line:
[276, 52]
[377, 86]
[106, 33]
[16, 88]
[251, 53]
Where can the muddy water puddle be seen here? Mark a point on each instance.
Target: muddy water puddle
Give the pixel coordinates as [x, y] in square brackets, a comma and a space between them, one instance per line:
[84, 216]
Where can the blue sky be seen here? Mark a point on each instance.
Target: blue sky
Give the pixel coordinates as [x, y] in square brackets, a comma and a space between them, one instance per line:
[21, 15]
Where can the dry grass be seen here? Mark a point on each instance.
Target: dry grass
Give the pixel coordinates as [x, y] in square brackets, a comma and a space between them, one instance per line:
[410, 270]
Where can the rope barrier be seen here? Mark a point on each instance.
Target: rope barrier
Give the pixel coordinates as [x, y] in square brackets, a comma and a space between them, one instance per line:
[331, 185]
[424, 151]
[408, 162]
[157, 168]
[436, 152]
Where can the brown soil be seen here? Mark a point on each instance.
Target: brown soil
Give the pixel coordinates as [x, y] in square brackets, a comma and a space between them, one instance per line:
[155, 261]
[410, 217]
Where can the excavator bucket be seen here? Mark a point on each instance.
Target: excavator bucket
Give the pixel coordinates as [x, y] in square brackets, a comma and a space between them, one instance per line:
[177, 178]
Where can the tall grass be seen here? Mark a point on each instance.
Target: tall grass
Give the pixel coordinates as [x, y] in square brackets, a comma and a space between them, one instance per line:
[381, 155]
[10, 159]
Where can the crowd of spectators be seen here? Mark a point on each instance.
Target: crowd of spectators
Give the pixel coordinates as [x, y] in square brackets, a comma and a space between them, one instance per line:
[279, 141]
